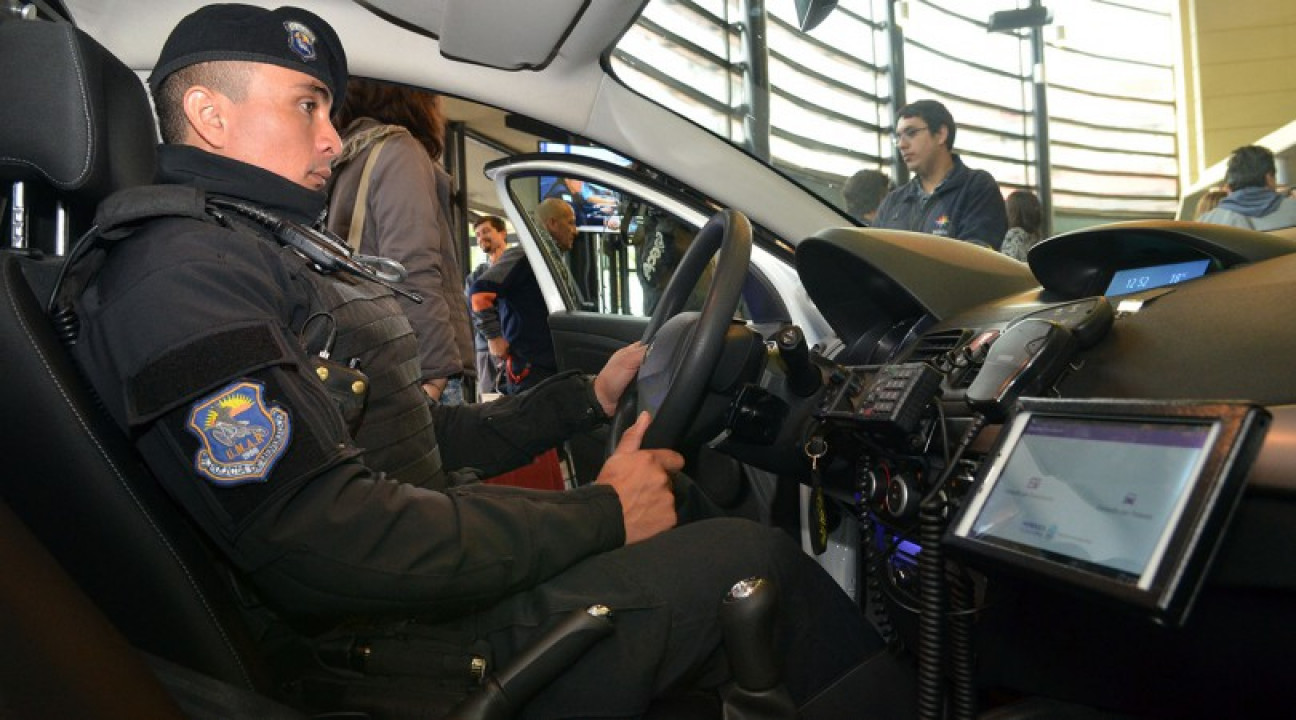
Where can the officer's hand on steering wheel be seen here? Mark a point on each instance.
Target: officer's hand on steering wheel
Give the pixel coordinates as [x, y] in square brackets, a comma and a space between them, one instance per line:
[641, 479]
[617, 374]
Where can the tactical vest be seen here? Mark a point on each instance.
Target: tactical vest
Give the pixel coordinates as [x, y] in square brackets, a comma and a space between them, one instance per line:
[373, 334]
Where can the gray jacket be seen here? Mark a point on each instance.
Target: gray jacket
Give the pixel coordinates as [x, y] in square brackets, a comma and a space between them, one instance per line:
[407, 218]
[1284, 216]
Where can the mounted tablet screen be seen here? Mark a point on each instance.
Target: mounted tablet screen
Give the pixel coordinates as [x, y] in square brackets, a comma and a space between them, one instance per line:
[1127, 500]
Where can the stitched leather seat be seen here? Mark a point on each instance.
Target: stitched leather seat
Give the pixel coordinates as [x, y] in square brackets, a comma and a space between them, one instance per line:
[73, 478]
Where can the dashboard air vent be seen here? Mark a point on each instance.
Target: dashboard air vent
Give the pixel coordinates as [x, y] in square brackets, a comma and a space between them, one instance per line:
[934, 344]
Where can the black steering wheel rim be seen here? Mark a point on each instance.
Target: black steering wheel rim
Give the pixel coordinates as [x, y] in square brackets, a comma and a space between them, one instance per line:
[728, 233]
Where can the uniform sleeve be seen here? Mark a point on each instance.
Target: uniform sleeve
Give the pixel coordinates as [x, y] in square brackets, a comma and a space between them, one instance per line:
[251, 446]
[356, 542]
[325, 535]
[985, 217]
[509, 432]
[403, 220]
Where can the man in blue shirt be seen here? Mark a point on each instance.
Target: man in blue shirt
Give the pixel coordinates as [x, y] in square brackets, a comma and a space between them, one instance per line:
[945, 197]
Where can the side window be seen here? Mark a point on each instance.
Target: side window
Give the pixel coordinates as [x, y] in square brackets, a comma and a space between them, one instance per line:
[625, 251]
[652, 244]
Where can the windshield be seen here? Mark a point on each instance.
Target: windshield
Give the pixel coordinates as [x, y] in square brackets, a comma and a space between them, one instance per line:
[820, 105]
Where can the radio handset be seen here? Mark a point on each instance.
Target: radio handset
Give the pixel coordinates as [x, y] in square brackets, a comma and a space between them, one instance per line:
[1025, 360]
[324, 250]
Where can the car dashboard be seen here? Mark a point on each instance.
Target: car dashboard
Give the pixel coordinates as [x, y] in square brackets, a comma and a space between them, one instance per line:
[1215, 333]
[940, 343]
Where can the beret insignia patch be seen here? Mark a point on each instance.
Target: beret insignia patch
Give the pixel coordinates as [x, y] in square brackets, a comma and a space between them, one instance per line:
[242, 437]
[300, 40]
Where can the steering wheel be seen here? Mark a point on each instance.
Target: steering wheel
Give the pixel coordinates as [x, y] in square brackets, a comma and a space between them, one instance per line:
[685, 347]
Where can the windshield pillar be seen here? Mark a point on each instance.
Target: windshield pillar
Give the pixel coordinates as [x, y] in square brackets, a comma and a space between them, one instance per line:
[896, 76]
[756, 84]
[1039, 84]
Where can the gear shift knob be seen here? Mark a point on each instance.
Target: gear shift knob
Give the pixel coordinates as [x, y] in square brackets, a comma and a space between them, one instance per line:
[747, 620]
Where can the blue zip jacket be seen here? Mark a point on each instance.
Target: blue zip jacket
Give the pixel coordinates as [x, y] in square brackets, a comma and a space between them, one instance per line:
[966, 205]
[506, 301]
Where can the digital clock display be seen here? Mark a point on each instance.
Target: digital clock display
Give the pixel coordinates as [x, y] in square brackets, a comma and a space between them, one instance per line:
[1133, 280]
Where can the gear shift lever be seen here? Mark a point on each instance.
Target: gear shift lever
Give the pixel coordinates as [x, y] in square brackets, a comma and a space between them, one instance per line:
[747, 619]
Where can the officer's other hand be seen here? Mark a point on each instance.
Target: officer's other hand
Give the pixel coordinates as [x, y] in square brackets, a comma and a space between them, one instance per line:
[617, 375]
[641, 479]
[499, 347]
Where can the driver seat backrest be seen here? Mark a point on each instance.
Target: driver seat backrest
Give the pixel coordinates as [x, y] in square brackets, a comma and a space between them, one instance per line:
[76, 123]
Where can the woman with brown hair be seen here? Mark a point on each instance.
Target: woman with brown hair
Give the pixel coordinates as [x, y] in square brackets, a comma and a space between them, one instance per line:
[390, 198]
[1024, 218]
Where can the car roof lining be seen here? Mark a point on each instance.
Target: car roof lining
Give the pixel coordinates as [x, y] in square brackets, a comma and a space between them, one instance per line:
[471, 30]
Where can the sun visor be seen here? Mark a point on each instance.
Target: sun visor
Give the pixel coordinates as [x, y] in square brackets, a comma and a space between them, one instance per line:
[502, 34]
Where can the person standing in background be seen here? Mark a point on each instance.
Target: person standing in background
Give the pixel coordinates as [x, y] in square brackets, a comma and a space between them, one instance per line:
[509, 308]
[1253, 200]
[492, 239]
[863, 193]
[390, 197]
[945, 197]
[1024, 222]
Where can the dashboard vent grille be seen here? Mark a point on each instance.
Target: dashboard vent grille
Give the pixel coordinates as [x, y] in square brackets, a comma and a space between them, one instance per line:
[965, 380]
[934, 344]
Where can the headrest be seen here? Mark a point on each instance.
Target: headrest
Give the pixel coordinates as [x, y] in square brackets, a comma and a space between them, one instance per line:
[71, 115]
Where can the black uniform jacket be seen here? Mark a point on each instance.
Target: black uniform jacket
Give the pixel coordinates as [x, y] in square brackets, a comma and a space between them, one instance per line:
[192, 334]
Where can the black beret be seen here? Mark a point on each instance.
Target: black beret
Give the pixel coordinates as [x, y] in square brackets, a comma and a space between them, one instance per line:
[289, 37]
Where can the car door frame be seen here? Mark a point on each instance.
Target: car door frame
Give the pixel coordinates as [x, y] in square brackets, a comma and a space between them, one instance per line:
[777, 275]
[583, 340]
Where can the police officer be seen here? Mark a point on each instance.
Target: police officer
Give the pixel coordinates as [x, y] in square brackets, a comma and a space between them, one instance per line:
[279, 405]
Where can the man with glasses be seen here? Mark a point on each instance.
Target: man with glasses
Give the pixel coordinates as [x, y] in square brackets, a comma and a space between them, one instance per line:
[944, 197]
